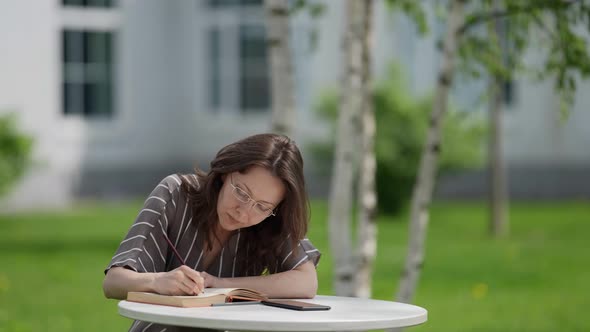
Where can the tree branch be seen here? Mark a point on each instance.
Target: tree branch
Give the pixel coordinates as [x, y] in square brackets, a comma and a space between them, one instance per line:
[486, 16]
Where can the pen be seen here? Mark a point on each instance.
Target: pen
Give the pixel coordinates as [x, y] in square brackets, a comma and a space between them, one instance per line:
[174, 250]
[176, 254]
[234, 303]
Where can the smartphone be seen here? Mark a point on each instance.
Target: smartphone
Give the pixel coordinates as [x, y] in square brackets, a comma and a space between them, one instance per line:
[295, 305]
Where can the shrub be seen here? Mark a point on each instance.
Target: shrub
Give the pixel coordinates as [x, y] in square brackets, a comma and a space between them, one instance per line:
[15, 152]
[402, 124]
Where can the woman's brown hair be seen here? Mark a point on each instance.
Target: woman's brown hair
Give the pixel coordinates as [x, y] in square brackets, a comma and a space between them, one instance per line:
[279, 155]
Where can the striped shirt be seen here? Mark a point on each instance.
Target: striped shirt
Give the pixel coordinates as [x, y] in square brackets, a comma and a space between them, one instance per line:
[167, 210]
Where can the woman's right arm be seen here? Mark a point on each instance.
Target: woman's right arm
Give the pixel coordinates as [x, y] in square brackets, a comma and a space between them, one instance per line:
[180, 281]
[140, 261]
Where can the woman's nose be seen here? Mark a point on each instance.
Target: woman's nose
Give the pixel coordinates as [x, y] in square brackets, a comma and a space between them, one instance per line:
[243, 215]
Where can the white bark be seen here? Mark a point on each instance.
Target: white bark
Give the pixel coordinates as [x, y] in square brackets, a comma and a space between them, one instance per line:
[281, 66]
[422, 194]
[367, 228]
[344, 160]
[497, 178]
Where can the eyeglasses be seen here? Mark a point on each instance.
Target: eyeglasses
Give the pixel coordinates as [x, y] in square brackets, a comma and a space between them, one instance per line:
[260, 209]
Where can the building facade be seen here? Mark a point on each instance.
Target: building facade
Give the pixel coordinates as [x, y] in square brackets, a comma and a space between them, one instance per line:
[118, 93]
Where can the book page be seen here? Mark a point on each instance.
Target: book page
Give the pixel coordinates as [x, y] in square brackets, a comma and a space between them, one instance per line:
[214, 291]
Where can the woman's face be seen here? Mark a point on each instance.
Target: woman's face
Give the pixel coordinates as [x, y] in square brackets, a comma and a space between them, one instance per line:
[247, 199]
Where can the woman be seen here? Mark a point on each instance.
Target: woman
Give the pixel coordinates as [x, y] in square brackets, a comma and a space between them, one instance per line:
[242, 224]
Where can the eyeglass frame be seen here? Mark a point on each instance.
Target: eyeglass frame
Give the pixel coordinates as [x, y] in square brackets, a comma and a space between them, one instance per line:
[250, 199]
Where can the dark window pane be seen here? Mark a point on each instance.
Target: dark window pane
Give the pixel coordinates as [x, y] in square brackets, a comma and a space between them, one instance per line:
[89, 3]
[222, 3]
[99, 3]
[73, 46]
[97, 100]
[73, 98]
[73, 2]
[97, 47]
[254, 78]
[508, 92]
[215, 70]
[251, 2]
[255, 93]
[252, 41]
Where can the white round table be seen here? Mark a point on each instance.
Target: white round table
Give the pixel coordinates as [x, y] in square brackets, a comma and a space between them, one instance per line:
[347, 314]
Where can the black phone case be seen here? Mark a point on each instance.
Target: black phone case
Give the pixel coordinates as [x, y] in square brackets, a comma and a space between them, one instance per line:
[305, 306]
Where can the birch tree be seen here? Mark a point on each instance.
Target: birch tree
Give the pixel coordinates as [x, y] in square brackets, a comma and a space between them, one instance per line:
[567, 57]
[367, 228]
[422, 194]
[498, 195]
[281, 66]
[341, 188]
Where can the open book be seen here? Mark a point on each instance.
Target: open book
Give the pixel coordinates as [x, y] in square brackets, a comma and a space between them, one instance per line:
[207, 298]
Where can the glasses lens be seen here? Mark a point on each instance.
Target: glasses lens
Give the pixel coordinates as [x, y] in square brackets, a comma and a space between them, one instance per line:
[262, 209]
[241, 195]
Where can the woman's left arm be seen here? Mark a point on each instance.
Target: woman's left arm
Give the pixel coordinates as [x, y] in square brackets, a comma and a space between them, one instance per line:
[301, 282]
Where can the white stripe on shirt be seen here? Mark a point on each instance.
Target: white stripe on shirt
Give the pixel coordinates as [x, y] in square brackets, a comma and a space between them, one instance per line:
[175, 179]
[162, 185]
[301, 261]
[233, 269]
[142, 223]
[123, 261]
[181, 224]
[149, 210]
[199, 260]
[191, 247]
[131, 238]
[150, 324]
[130, 250]
[140, 262]
[165, 218]
[155, 197]
[220, 261]
[284, 260]
[150, 256]
[158, 247]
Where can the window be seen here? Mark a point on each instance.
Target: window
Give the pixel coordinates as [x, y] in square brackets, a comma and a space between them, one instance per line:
[238, 62]
[89, 3]
[508, 92]
[254, 80]
[224, 3]
[506, 47]
[87, 73]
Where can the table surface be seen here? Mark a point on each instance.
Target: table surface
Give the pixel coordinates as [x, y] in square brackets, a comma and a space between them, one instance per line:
[347, 314]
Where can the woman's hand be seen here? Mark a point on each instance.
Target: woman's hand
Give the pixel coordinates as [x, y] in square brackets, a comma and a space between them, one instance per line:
[210, 281]
[180, 281]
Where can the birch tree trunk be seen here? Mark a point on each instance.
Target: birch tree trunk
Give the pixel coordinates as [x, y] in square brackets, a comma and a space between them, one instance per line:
[281, 66]
[423, 188]
[367, 228]
[498, 196]
[341, 188]
[497, 176]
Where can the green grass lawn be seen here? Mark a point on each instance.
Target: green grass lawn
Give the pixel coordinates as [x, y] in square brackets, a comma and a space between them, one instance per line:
[537, 279]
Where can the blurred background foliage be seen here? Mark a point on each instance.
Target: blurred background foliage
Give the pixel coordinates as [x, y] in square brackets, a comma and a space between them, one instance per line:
[15, 152]
[402, 122]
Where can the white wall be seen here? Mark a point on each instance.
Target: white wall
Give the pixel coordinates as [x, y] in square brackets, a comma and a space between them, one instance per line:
[29, 67]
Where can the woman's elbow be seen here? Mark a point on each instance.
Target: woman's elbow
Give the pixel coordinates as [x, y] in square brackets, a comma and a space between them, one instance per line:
[313, 289]
[309, 274]
[106, 289]
[109, 286]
